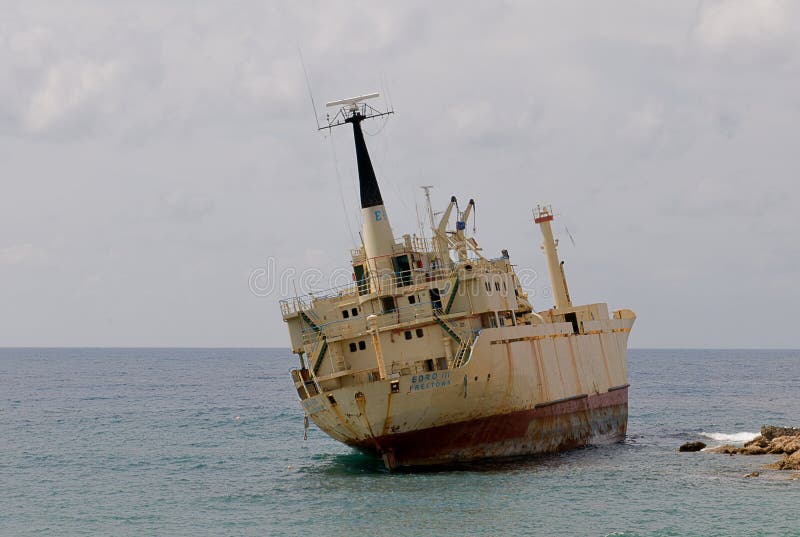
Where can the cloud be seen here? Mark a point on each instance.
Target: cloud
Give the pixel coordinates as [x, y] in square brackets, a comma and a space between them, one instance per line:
[660, 128]
[746, 28]
[20, 254]
[188, 207]
[68, 88]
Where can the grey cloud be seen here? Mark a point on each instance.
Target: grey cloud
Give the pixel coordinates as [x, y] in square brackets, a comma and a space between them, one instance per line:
[188, 207]
[155, 154]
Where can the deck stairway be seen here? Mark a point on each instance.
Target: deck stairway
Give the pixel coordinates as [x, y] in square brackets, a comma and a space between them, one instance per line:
[320, 347]
[463, 354]
[447, 326]
[453, 284]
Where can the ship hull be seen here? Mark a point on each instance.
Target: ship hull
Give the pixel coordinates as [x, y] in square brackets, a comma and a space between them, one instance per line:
[524, 390]
[553, 427]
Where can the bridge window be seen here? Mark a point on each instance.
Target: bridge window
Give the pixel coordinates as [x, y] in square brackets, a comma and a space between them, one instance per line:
[362, 345]
[407, 334]
[352, 347]
[354, 312]
[345, 314]
[420, 333]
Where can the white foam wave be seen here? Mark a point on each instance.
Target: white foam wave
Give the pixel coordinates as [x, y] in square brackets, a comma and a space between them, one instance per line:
[730, 438]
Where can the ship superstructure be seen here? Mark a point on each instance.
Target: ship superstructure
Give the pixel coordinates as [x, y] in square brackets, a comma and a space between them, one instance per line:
[435, 354]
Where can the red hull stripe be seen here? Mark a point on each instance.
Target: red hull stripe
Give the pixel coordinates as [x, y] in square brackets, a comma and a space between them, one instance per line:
[555, 426]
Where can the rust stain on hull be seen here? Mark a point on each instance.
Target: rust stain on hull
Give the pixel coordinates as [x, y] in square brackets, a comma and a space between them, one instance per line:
[554, 427]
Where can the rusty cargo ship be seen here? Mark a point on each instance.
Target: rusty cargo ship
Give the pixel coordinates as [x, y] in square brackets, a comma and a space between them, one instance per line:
[435, 354]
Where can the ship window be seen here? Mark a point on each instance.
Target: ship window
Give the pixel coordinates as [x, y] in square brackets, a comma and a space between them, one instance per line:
[441, 363]
[497, 286]
[331, 399]
[388, 304]
[352, 347]
[360, 275]
[504, 286]
[345, 314]
[402, 270]
[429, 364]
[572, 318]
[486, 284]
[395, 384]
[436, 298]
[420, 333]
[412, 299]
[354, 312]
[407, 334]
[362, 345]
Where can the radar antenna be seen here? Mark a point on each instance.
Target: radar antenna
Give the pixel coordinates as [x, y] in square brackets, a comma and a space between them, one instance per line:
[353, 110]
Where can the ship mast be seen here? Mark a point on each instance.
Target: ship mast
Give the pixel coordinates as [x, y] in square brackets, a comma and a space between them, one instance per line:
[376, 231]
[543, 215]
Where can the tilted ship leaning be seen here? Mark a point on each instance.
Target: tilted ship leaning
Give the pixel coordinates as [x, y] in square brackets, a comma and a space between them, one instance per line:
[435, 355]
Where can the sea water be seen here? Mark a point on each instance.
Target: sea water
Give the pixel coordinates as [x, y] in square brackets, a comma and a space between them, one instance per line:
[210, 442]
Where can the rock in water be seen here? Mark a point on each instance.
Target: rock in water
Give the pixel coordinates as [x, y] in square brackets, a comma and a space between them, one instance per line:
[692, 446]
[770, 432]
[788, 462]
[784, 444]
[758, 441]
[773, 440]
[753, 450]
[727, 449]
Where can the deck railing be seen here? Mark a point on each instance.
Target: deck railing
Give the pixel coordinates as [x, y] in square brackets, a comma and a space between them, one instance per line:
[387, 284]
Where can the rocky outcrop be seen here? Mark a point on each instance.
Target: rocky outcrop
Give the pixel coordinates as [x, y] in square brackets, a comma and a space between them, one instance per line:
[692, 446]
[770, 431]
[788, 462]
[773, 441]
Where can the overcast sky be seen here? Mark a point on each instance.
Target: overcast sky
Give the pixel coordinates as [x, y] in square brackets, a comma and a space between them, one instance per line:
[154, 156]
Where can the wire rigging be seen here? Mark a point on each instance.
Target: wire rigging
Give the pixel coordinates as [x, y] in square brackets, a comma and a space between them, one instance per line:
[341, 192]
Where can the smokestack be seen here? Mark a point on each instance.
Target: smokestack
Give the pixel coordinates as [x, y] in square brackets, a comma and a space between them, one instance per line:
[367, 182]
[376, 231]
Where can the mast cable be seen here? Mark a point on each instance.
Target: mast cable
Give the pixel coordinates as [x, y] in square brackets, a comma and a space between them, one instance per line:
[341, 192]
[308, 85]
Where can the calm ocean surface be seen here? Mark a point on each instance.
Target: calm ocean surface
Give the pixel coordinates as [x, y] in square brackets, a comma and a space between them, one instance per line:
[210, 442]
